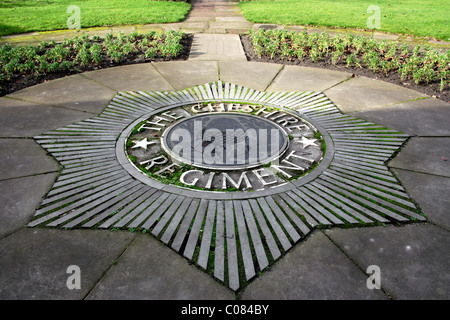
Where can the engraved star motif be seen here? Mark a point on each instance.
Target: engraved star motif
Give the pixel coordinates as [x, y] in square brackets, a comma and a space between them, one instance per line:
[142, 144]
[307, 142]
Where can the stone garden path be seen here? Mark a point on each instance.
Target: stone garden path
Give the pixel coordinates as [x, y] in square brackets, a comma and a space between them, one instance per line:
[329, 263]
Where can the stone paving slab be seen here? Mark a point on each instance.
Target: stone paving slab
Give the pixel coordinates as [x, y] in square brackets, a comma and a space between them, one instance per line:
[16, 210]
[413, 259]
[231, 19]
[361, 94]
[257, 75]
[26, 119]
[194, 25]
[231, 25]
[34, 261]
[425, 155]
[146, 28]
[72, 92]
[423, 117]
[185, 74]
[315, 269]
[24, 157]
[216, 47]
[149, 270]
[109, 195]
[430, 192]
[131, 77]
[292, 78]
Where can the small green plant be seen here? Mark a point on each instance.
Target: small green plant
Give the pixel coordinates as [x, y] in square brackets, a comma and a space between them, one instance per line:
[422, 64]
[96, 52]
[336, 57]
[151, 53]
[80, 52]
[83, 57]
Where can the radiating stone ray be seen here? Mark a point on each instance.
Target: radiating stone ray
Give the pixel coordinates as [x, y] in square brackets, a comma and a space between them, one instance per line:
[231, 235]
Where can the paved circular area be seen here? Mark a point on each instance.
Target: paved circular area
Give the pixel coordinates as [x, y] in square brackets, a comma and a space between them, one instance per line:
[75, 106]
[327, 264]
[229, 230]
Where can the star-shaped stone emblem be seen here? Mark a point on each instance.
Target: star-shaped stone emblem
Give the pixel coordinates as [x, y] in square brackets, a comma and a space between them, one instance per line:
[232, 236]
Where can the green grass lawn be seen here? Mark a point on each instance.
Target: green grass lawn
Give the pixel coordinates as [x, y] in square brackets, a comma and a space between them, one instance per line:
[19, 16]
[416, 17]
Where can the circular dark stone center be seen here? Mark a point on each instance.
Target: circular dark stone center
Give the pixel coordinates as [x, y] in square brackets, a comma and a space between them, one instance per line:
[225, 141]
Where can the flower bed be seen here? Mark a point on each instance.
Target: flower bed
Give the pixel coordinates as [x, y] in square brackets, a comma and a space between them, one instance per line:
[420, 66]
[22, 66]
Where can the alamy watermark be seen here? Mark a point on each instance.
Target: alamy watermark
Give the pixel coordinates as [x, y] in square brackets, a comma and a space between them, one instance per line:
[74, 280]
[374, 280]
[374, 21]
[235, 147]
[74, 21]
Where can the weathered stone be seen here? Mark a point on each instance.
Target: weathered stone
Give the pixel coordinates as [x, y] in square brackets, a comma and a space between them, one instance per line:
[23, 157]
[20, 118]
[148, 270]
[19, 199]
[216, 47]
[296, 78]
[35, 262]
[426, 155]
[315, 270]
[73, 92]
[430, 192]
[185, 74]
[362, 94]
[413, 259]
[255, 75]
[422, 117]
[130, 77]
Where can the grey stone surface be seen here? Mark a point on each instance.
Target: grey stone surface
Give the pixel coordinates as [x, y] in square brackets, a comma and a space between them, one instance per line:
[165, 214]
[231, 25]
[430, 192]
[75, 92]
[231, 246]
[385, 36]
[24, 157]
[361, 94]
[185, 74]
[254, 75]
[34, 261]
[426, 155]
[19, 199]
[217, 47]
[150, 270]
[139, 77]
[423, 117]
[27, 119]
[413, 259]
[314, 269]
[296, 78]
[231, 19]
